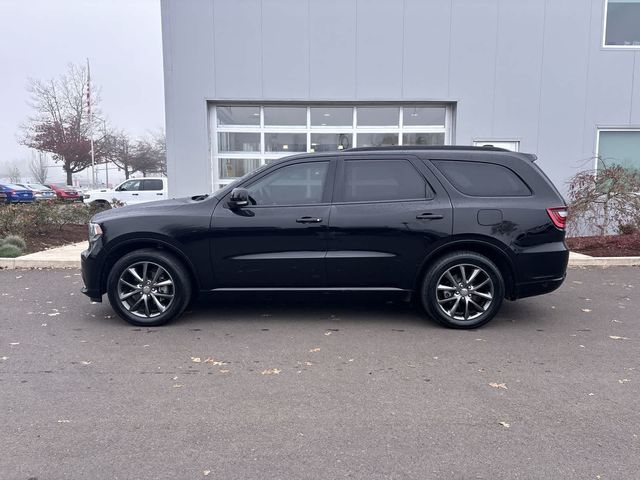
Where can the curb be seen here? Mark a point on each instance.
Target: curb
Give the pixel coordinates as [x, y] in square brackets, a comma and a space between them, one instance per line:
[582, 261]
[13, 263]
[604, 261]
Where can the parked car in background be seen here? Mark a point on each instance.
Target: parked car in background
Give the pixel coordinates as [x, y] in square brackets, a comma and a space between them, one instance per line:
[131, 191]
[16, 193]
[458, 228]
[40, 192]
[3, 197]
[65, 192]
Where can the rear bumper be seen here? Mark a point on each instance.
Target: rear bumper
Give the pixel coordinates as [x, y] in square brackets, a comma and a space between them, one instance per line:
[531, 289]
[541, 269]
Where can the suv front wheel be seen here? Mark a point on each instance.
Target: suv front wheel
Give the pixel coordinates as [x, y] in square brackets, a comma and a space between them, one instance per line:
[148, 287]
[462, 290]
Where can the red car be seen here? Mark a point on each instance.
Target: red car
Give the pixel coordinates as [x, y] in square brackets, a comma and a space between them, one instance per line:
[65, 192]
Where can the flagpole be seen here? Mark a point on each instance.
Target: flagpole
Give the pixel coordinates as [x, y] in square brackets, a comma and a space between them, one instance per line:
[93, 158]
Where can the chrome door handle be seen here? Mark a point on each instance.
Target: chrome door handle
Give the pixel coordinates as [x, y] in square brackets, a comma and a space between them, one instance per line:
[429, 216]
[309, 220]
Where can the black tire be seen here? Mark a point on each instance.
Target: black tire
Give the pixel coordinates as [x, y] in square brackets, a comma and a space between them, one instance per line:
[173, 289]
[100, 205]
[444, 296]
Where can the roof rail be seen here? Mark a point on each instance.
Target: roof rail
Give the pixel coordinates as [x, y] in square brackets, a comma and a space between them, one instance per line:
[428, 147]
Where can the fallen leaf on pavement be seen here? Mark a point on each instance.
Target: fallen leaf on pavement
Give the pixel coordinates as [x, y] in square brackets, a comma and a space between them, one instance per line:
[271, 371]
[327, 333]
[616, 337]
[624, 380]
[177, 385]
[313, 350]
[63, 420]
[498, 385]
[586, 310]
[86, 362]
[505, 424]
[196, 359]
[206, 472]
[308, 364]
[224, 371]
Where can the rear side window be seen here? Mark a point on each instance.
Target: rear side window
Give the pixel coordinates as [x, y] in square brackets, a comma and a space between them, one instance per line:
[153, 184]
[482, 179]
[379, 180]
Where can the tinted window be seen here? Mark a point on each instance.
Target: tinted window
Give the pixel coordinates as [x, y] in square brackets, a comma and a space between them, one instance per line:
[482, 179]
[375, 180]
[153, 184]
[298, 184]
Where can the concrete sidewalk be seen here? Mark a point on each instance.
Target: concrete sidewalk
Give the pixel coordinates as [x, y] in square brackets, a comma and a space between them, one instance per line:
[69, 257]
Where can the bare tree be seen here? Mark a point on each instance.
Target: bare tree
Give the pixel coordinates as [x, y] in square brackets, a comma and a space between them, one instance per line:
[39, 168]
[119, 150]
[13, 173]
[149, 155]
[61, 123]
[604, 199]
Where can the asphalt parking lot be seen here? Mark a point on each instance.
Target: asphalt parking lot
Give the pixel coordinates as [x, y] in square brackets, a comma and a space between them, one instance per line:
[320, 386]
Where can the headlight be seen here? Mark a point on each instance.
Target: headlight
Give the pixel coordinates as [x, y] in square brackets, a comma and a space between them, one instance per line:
[95, 231]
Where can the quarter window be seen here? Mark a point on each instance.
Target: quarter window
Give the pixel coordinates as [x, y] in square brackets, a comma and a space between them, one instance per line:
[622, 23]
[479, 179]
[299, 184]
[379, 180]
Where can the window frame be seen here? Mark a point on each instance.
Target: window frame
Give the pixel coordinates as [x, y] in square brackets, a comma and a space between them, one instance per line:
[604, 33]
[433, 161]
[340, 181]
[596, 160]
[353, 129]
[327, 191]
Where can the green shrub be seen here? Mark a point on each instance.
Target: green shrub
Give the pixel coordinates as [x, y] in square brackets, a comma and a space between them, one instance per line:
[8, 250]
[41, 217]
[14, 240]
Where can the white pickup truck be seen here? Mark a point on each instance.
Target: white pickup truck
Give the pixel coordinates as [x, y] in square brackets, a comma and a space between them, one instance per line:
[134, 190]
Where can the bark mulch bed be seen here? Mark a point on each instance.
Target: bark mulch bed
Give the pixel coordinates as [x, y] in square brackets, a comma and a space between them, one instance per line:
[607, 246]
[37, 242]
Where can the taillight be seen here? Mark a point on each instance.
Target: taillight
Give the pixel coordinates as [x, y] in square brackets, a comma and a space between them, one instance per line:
[558, 216]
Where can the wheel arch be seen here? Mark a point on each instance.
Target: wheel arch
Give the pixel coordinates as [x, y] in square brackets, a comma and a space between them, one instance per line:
[481, 245]
[127, 246]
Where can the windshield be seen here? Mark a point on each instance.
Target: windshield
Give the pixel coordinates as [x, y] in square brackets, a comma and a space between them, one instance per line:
[37, 186]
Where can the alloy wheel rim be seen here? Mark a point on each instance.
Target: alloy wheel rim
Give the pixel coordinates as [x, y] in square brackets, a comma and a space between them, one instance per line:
[464, 292]
[145, 289]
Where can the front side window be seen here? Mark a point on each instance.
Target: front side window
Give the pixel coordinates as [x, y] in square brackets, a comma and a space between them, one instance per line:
[479, 179]
[299, 184]
[622, 23]
[619, 147]
[380, 180]
[130, 186]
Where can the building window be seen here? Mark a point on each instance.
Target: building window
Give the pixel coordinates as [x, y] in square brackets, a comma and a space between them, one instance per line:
[622, 23]
[244, 137]
[619, 147]
[513, 145]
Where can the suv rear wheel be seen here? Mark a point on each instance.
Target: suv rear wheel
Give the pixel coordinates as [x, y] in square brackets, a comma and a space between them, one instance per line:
[149, 287]
[462, 290]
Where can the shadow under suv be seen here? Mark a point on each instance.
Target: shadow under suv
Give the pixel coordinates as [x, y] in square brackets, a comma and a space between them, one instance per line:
[461, 228]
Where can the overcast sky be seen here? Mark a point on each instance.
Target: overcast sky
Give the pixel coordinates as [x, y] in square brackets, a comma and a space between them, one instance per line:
[121, 38]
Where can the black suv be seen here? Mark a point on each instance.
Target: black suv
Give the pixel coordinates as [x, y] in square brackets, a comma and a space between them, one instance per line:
[461, 228]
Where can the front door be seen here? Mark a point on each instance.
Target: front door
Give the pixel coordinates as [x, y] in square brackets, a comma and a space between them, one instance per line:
[280, 240]
[387, 214]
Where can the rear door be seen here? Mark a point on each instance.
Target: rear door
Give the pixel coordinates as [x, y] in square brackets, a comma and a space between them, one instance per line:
[387, 214]
[152, 189]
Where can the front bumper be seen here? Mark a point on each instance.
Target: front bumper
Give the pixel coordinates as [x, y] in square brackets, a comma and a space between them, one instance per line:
[91, 268]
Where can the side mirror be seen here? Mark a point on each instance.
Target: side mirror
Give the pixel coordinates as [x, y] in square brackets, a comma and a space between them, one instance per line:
[239, 198]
